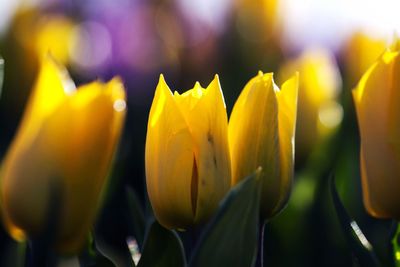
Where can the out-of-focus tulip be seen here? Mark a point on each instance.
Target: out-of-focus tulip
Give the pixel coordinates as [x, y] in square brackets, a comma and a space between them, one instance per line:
[261, 133]
[360, 52]
[377, 101]
[54, 33]
[319, 112]
[64, 146]
[258, 20]
[187, 155]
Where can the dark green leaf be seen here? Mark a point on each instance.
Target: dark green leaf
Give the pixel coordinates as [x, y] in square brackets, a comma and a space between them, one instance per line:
[230, 239]
[135, 216]
[358, 243]
[117, 251]
[162, 248]
[91, 257]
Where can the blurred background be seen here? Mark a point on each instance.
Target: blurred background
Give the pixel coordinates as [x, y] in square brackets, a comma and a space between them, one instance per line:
[330, 42]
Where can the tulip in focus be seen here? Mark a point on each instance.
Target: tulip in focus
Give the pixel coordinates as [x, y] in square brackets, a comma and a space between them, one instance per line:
[187, 157]
[377, 101]
[261, 133]
[62, 152]
[319, 111]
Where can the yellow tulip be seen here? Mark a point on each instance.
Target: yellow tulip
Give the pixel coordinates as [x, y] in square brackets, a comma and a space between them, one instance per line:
[319, 112]
[377, 101]
[66, 141]
[55, 34]
[360, 51]
[187, 156]
[261, 133]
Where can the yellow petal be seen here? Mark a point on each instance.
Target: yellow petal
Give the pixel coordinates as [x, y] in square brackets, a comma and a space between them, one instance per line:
[90, 126]
[66, 141]
[287, 102]
[54, 33]
[254, 137]
[361, 51]
[26, 152]
[188, 100]
[73, 151]
[374, 98]
[206, 117]
[394, 107]
[170, 161]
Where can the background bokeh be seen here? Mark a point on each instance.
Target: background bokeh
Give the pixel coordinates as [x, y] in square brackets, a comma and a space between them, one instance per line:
[331, 43]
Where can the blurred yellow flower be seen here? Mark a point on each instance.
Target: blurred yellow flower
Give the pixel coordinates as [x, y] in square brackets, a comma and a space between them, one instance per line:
[319, 112]
[258, 20]
[54, 33]
[360, 51]
[65, 146]
[261, 133]
[187, 157]
[40, 34]
[377, 101]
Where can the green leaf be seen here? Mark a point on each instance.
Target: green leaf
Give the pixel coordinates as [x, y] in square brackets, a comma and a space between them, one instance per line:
[115, 251]
[91, 256]
[357, 241]
[230, 239]
[135, 216]
[162, 248]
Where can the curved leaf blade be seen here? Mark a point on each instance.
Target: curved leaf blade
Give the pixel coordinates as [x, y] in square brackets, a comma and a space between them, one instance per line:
[230, 239]
[162, 248]
[357, 241]
[135, 216]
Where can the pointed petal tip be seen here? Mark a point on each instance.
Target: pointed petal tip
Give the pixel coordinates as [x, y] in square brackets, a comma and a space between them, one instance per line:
[162, 84]
[116, 84]
[49, 62]
[117, 81]
[216, 79]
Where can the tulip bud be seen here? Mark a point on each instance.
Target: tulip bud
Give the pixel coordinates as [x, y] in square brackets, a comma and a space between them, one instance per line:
[187, 156]
[377, 102]
[66, 141]
[261, 133]
[319, 87]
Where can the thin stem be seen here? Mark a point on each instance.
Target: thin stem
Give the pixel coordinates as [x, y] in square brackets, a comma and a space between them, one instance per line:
[260, 254]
